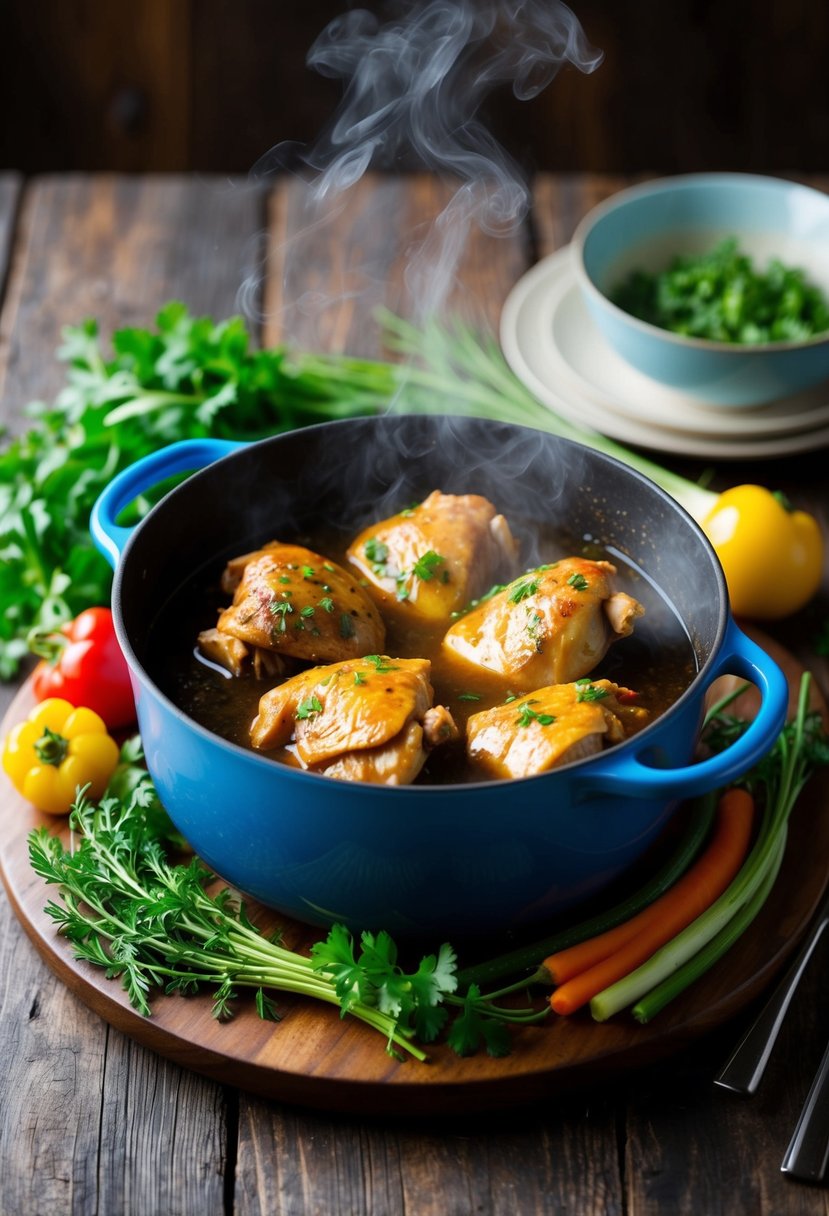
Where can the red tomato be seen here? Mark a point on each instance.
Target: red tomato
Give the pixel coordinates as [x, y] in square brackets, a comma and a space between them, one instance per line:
[88, 668]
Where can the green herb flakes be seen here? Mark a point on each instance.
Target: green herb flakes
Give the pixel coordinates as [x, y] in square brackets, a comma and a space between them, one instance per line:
[527, 715]
[578, 582]
[308, 707]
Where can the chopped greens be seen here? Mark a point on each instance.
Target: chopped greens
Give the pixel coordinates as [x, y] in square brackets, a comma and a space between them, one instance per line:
[527, 715]
[722, 297]
[586, 690]
[308, 707]
[578, 582]
[522, 591]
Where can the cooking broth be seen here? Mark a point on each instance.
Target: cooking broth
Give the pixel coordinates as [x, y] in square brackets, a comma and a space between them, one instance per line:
[657, 661]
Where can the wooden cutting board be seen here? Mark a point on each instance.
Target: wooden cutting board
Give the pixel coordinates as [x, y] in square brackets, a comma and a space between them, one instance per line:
[314, 1058]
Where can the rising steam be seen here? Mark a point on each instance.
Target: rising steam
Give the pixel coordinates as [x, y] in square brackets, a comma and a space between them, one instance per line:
[413, 86]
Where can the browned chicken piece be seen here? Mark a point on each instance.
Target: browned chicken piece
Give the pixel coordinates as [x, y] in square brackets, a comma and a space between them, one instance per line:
[228, 652]
[368, 719]
[551, 625]
[294, 602]
[430, 560]
[224, 649]
[552, 726]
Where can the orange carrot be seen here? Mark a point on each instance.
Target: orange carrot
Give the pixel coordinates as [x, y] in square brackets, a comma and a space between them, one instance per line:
[592, 966]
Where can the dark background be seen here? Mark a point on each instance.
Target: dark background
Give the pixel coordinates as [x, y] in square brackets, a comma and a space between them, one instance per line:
[211, 85]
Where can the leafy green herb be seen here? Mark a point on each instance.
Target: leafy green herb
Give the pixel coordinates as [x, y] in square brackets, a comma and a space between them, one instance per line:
[280, 609]
[308, 571]
[522, 591]
[722, 296]
[149, 922]
[380, 663]
[327, 604]
[186, 378]
[528, 715]
[346, 625]
[494, 590]
[587, 691]
[308, 707]
[377, 553]
[578, 582]
[426, 565]
[359, 677]
[307, 611]
[469, 696]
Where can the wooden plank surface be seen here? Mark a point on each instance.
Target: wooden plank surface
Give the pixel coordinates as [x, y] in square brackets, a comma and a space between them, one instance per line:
[94, 1123]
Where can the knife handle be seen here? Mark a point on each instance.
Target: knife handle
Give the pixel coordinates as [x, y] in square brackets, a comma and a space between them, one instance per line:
[744, 1068]
[808, 1153]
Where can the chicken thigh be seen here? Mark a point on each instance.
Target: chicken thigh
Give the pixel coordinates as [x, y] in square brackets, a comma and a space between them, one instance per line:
[289, 601]
[430, 560]
[551, 625]
[368, 719]
[552, 726]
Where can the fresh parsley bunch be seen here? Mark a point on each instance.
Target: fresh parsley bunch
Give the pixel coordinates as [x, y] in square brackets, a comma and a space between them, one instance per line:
[185, 379]
[149, 920]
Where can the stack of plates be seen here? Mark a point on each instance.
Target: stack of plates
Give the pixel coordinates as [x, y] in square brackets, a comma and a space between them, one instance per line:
[554, 348]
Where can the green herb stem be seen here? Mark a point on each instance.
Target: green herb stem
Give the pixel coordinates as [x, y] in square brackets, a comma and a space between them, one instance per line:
[783, 785]
[526, 959]
[701, 962]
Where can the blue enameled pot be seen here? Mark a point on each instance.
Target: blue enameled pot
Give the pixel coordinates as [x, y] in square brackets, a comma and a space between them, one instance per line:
[437, 859]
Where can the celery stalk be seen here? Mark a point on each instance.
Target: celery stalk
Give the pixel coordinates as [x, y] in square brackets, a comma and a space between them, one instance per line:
[689, 972]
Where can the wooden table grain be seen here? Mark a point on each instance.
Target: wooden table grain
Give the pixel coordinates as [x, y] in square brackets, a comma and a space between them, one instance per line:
[93, 1123]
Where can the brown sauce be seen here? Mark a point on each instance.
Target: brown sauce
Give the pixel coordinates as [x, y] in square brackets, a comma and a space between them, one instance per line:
[657, 661]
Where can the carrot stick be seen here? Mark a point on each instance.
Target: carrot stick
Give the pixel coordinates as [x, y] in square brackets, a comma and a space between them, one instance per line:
[592, 966]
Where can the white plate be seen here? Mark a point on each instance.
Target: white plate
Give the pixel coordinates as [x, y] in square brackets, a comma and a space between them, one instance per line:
[555, 350]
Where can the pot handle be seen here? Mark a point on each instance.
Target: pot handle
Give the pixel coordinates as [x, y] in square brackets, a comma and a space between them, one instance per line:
[186, 456]
[626, 773]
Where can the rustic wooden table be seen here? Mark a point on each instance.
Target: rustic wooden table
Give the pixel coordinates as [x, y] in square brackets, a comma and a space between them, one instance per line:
[94, 1123]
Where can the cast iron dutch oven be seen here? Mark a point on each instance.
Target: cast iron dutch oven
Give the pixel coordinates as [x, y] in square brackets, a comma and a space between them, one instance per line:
[448, 859]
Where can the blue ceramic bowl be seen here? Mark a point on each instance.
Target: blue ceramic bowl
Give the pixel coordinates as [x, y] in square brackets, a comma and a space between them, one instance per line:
[647, 226]
[423, 859]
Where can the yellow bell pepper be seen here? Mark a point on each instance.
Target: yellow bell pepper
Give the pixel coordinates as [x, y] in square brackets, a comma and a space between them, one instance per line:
[772, 555]
[57, 750]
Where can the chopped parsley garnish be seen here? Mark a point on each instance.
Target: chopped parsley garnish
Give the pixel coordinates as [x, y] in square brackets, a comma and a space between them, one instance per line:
[308, 571]
[346, 626]
[284, 578]
[587, 691]
[723, 296]
[494, 590]
[522, 591]
[359, 678]
[379, 663]
[308, 610]
[469, 696]
[327, 566]
[527, 715]
[307, 707]
[578, 582]
[377, 553]
[327, 604]
[279, 609]
[510, 697]
[425, 567]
